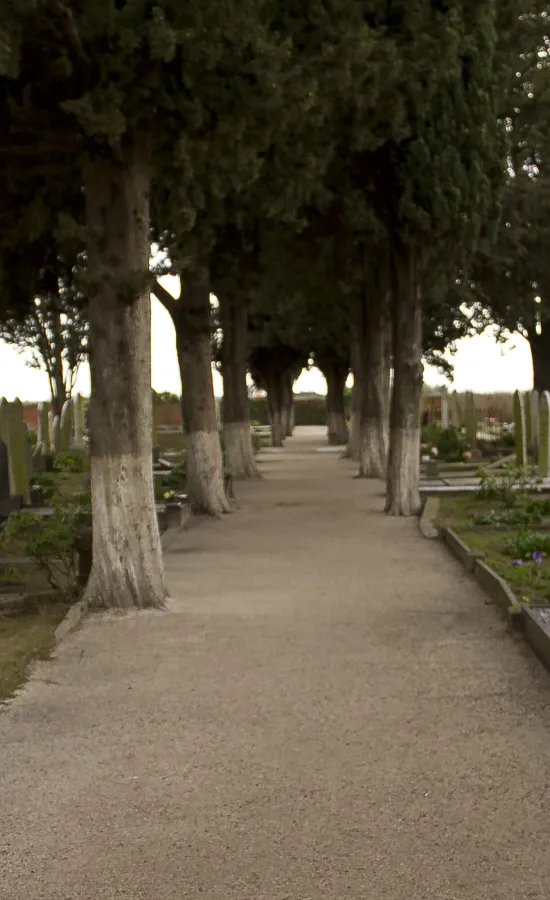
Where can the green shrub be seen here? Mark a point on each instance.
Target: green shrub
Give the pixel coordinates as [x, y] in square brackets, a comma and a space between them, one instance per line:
[31, 437]
[504, 517]
[523, 545]
[450, 445]
[50, 543]
[75, 461]
[507, 487]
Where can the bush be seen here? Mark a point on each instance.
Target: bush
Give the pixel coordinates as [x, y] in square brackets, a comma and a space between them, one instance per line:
[508, 487]
[31, 437]
[75, 461]
[450, 445]
[524, 545]
[49, 542]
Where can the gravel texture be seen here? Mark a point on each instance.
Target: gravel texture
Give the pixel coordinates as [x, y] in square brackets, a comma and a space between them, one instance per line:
[328, 709]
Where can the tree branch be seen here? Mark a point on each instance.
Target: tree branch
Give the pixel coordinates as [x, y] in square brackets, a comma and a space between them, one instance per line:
[170, 303]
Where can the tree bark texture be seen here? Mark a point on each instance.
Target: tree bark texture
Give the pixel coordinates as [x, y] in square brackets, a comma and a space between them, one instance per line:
[239, 452]
[205, 476]
[288, 403]
[540, 354]
[353, 451]
[336, 374]
[374, 378]
[275, 403]
[127, 568]
[403, 477]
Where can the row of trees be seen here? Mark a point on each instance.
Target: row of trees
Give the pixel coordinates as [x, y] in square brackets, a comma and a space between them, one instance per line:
[331, 171]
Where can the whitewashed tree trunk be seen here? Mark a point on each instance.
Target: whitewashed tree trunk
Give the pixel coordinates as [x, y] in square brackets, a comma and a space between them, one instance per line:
[205, 476]
[127, 566]
[403, 477]
[239, 452]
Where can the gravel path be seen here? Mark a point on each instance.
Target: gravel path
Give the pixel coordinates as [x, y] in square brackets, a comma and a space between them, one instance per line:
[327, 710]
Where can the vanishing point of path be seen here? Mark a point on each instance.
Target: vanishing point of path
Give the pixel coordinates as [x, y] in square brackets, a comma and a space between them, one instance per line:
[328, 709]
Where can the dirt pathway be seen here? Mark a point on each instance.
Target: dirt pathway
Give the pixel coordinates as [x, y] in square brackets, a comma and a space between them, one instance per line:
[327, 710]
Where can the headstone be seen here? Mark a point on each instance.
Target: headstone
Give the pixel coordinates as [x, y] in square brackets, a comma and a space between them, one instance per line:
[4, 472]
[56, 434]
[520, 428]
[544, 435]
[470, 419]
[444, 410]
[12, 430]
[533, 402]
[78, 420]
[43, 429]
[66, 426]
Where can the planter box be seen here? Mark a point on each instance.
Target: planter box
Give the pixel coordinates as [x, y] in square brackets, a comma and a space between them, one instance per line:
[536, 629]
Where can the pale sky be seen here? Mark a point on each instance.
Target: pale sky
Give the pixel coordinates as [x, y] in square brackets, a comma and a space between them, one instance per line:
[481, 364]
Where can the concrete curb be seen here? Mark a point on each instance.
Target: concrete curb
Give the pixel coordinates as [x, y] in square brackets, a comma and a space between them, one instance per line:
[459, 549]
[428, 517]
[71, 621]
[497, 588]
[536, 636]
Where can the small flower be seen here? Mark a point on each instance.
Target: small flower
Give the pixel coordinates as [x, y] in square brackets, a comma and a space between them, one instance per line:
[517, 562]
[537, 556]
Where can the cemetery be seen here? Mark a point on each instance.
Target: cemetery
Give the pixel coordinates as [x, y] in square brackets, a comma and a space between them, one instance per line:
[275, 542]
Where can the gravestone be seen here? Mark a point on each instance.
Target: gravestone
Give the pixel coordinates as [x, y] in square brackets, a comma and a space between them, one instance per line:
[43, 429]
[12, 432]
[66, 426]
[4, 472]
[533, 402]
[78, 415]
[544, 435]
[520, 429]
[470, 419]
[56, 434]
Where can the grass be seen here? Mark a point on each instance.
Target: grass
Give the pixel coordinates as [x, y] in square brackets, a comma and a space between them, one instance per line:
[530, 581]
[25, 639]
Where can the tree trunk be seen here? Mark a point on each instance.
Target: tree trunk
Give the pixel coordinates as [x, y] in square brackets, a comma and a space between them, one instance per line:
[127, 566]
[239, 452]
[205, 477]
[403, 478]
[288, 403]
[275, 404]
[540, 354]
[354, 440]
[335, 376]
[374, 377]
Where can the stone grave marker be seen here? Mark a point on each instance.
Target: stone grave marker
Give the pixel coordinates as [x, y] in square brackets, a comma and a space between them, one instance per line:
[533, 402]
[66, 426]
[544, 435]
[55, 432]
[470, 419]
[12, 431]
[520, 429]
[4, 472]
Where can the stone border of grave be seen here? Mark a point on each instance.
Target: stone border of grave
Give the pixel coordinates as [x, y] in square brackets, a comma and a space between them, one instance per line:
[534, 621]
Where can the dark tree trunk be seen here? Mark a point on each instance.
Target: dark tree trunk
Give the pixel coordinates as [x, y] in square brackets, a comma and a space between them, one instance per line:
[375, 378]
[239, 451]
[336, 374]
[540, 354]
[275, 403]
[127, 566]
[205, 478]
[403, 478]
[288, 403]
[354, 440]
